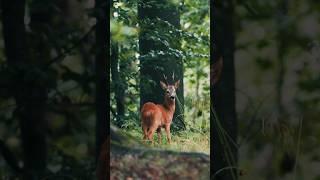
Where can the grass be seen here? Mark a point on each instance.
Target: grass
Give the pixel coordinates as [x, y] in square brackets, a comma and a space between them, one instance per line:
[184, 141]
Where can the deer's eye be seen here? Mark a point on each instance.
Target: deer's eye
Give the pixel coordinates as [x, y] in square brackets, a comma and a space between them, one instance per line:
[168, 92]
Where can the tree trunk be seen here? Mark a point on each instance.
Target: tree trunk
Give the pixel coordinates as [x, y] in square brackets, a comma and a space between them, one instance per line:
[281, 45]
[282, 37]
[31, 102]
[118, 83]
[224, 122]
[197, 97]
[102, 73]
[154, 67]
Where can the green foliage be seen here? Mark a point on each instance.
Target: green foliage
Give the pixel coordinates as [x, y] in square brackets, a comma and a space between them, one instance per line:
[193, 49]
[185, 141]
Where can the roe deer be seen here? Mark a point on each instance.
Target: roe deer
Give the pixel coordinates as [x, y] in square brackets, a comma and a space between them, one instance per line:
[157, 116]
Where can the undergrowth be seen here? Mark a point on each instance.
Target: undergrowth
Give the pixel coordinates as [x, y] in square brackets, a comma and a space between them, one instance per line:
[184, 141]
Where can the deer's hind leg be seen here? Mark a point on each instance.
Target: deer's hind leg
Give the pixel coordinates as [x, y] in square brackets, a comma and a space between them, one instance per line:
[145, 132]
[150, 133]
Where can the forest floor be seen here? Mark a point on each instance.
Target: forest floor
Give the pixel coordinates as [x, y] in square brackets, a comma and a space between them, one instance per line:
[129, 159]
[184, 141]
[159, 165]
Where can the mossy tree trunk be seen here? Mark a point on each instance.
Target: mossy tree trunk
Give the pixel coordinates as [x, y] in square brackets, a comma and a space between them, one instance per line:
[119, 85]
[157, 42]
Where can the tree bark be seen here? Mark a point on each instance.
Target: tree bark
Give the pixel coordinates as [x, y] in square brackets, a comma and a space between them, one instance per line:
[31, 102]
[118, 83]
[154, 67]
[224, 122]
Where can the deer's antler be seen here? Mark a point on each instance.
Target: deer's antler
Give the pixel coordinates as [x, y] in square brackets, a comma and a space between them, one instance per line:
[165, 78]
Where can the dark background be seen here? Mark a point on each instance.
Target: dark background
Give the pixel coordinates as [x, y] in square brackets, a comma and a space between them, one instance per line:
[53, 92]
[267, 100]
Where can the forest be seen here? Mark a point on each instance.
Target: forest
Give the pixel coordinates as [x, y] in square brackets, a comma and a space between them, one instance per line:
[143, 53]
[153, 42]
[261, 115]
[247, 106]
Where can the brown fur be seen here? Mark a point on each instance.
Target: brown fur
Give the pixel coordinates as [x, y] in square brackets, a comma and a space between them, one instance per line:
[157, 116]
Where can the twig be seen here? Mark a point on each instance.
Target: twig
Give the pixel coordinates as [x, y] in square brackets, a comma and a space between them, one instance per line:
[225, 168]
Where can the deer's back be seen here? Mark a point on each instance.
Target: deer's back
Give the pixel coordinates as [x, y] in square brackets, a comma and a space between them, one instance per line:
[154, 112]
[150, 115]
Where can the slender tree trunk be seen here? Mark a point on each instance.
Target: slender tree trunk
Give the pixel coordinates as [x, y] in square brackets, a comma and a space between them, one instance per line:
[197, 97]
[153, 68]
[122, 87]
[118, 83]
[102, 73]
[224, 151]
[31, 102]
[281, 70]
[281, 45]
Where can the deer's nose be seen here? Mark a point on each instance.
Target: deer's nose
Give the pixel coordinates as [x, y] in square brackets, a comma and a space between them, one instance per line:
[172, 97]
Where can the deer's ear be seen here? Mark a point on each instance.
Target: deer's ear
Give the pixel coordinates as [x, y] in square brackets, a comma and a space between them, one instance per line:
[216, 70]
[176, 84]
[163, 85]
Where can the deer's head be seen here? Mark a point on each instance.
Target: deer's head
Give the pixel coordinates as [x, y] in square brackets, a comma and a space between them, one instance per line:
[170, 90]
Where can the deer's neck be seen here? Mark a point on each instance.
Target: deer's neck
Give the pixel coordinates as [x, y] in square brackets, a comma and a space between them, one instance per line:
[169, 105]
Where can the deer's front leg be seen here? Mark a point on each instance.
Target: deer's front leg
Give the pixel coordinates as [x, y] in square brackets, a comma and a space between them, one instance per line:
[168, 133]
